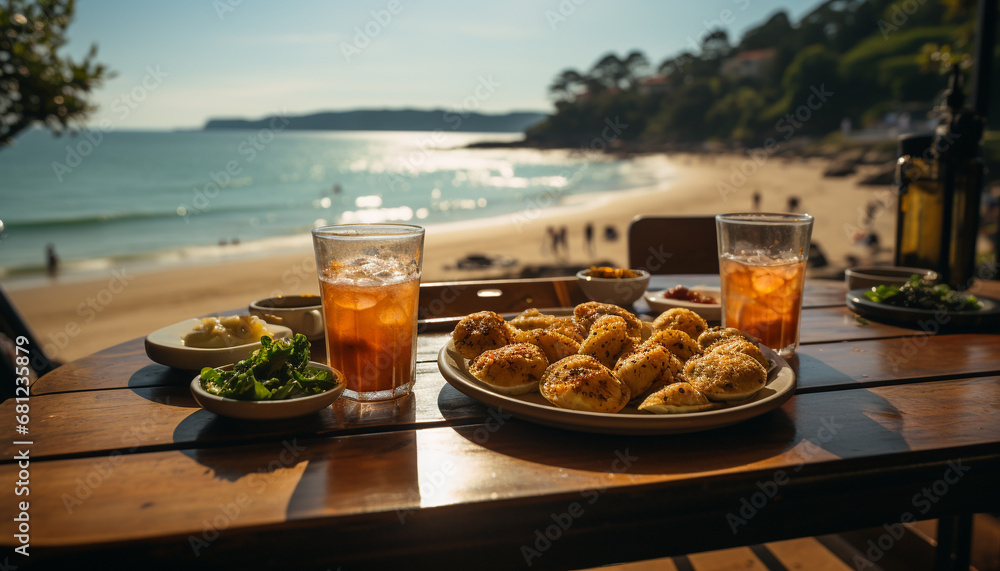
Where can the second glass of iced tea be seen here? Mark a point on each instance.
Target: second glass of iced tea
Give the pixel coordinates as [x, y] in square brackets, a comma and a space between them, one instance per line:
[762, 263]
[369, 277]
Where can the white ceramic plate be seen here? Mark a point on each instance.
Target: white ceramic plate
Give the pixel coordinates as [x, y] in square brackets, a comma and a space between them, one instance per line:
[533, 407]
[708, 311]
[267, 410]
[166, 347]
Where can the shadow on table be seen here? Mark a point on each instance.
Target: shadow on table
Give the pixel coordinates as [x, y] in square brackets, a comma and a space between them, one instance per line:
[843, 423]
[205, 428]
[813, 373]
[280, 446]
[154, 375]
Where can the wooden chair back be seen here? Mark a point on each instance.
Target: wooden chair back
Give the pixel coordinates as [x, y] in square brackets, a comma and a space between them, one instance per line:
[445, 302]
[12, 327]
[673, 244]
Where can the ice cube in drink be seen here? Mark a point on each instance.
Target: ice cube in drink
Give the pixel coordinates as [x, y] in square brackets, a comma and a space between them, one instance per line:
[371, 323]
[763, 297]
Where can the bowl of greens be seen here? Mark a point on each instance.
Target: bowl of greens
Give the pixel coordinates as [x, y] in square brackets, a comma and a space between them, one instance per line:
[276, 381]
[921, 293]
[931, 306]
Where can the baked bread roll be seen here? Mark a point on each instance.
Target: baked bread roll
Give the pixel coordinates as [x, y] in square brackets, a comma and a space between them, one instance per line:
[586, 314]
[681, 319]
[479, 332]
[675, 398]
[532, 319]
[608, 340]
[726, 376]
[580, 382]
[716, 334]
[569, 328]
[740, 345]
[639, 368]
[555, 345]
[512, 369]
[677, 342]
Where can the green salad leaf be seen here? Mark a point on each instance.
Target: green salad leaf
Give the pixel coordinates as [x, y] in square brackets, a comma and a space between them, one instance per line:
[277, 370]
[918, 293]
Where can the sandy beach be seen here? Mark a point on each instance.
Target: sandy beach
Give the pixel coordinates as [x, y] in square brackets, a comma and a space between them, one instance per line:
[73, 318]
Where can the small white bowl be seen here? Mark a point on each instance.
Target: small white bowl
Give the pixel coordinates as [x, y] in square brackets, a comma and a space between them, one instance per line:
[268, 409]
[619, 291]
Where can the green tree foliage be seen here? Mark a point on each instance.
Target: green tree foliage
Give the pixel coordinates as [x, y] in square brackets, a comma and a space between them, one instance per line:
[37, 84]
[874, 56]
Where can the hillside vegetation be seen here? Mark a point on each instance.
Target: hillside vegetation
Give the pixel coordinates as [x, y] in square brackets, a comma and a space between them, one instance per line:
[856, 61]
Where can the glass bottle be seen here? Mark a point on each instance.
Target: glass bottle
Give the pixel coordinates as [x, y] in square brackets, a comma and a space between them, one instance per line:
[939, 178]
[921, 197]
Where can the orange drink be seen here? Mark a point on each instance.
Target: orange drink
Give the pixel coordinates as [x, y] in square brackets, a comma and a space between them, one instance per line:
[762, 265]
[370, 334]
[764, 301]
[369, 278]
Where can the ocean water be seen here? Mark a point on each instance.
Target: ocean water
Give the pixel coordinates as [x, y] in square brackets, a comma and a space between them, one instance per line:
[115, 198]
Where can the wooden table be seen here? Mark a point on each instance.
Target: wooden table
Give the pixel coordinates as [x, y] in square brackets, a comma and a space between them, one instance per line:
[889, 423]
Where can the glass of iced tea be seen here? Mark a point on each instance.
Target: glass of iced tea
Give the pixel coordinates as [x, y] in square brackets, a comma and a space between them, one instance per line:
[762, 262]
[369, 277]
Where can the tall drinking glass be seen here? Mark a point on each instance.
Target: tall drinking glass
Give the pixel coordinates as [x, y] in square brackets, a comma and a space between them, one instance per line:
[369, 276]
[762, 262]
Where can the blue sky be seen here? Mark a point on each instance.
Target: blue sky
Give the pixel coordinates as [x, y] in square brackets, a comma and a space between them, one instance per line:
[182, 62]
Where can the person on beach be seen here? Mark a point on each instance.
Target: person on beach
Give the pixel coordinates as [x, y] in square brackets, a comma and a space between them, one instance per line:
[551, 241]
[561, 238]
[588, 236]
[51, 260]
[756, 200]
[793, 203]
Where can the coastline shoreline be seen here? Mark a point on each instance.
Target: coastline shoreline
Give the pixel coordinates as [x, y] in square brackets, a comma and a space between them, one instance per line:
[72, 318]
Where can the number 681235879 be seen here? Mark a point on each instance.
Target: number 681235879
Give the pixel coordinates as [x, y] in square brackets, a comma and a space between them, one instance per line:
[21, 361]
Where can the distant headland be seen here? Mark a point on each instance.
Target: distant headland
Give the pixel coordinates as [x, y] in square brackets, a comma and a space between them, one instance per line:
[391, 120]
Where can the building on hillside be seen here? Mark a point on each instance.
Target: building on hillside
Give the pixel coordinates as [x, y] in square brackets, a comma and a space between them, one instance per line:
[654, 85]
[751, 63]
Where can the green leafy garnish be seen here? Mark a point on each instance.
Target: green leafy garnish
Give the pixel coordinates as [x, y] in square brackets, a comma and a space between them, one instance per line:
[277, 370]
[918, 293]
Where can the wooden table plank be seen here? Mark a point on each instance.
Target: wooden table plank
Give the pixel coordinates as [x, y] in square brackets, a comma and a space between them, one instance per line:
[157, 417]
[138, 419]
[886, 438]
[895, 360]
[142, 417]
[823, 325]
